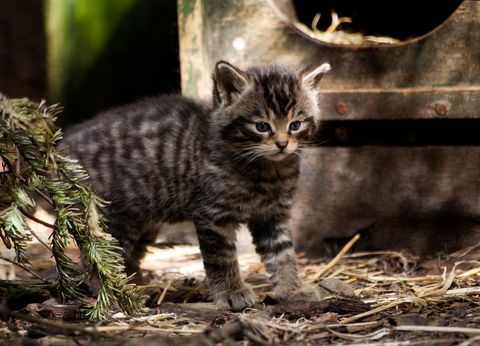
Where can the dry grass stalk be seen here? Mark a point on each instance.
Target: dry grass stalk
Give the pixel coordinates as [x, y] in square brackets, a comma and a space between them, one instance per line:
[396, 285]
[337, 258]
[335, 36]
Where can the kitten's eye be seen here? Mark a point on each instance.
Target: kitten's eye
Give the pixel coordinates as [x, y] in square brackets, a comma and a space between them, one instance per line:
[294, 125]
[262, 126]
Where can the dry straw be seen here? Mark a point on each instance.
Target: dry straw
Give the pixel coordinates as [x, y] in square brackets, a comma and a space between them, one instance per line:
[410, 302]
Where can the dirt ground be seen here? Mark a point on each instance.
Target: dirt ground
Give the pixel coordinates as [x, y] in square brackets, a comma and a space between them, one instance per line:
[371, 298]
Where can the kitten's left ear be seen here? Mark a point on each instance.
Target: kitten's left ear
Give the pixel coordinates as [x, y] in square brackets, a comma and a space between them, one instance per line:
[312, 75]
[228, 83]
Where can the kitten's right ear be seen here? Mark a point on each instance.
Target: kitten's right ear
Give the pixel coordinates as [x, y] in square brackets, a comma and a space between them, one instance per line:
[228, 83]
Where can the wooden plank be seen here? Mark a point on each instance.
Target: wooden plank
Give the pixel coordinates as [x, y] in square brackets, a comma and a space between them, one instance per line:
[401, 103]
[445, 57]
[195, 78]
[413, 195]
[423, 199]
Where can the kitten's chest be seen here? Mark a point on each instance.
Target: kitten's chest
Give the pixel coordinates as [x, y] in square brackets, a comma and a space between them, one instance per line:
[258, 198]
[240, 195]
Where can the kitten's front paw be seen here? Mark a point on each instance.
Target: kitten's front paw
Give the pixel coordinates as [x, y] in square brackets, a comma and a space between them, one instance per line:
[306, 293]
[236, 300]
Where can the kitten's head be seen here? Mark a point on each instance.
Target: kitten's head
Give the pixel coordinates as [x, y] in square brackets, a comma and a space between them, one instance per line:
[266, 112]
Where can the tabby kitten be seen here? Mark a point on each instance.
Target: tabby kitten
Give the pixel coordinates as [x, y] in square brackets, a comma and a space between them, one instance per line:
[172, 158]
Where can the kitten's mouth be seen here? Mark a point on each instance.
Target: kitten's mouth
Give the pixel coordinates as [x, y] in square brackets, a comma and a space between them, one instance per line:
[278, 156]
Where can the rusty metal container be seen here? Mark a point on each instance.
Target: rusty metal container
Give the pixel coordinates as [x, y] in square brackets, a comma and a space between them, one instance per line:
[401, 159]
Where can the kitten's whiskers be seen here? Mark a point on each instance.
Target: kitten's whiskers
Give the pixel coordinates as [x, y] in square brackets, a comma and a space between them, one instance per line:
[309, 145]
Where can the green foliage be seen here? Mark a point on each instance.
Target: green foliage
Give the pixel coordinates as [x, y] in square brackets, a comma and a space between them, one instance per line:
[31, 166]
[84, 26]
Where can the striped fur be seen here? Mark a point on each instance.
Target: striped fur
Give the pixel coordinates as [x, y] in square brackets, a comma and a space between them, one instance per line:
[172, 158]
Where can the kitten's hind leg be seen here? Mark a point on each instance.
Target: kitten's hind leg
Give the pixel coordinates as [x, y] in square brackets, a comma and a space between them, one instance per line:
[221, 265]
[133, 241]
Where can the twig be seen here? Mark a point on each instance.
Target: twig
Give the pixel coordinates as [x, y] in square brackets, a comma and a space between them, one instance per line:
[37, 220]
[22, 179]
[45, 197]
[6, 240]
[463, 252]
[471, 341]
[31, 217]
[6, 313]
[437, 329]
[469, 272]
[398, 254]
[337, 258]
[463, 291]
[359, 326]
[382, 278]
[25, 268]
[371, 336]
[374, 311]
[143, 329]
[18, 163]
[37, 190]
[420, 342]
[162, 296]
[406, 328]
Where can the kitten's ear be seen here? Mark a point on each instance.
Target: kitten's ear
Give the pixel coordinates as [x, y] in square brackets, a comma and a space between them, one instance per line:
[312, 75]
[228, 83]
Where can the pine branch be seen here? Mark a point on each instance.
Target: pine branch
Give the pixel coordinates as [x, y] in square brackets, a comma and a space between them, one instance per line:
[31, 165]
[33, 218]
[24, 268]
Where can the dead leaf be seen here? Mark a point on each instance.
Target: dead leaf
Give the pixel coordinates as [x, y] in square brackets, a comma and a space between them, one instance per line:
[337, 287]
[328, 317]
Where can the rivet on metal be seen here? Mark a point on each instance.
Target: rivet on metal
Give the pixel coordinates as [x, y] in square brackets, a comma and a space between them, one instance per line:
[441, 108]
[342, 135]
[342, 108]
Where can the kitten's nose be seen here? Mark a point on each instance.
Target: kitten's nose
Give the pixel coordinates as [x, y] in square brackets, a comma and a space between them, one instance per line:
[281, 144]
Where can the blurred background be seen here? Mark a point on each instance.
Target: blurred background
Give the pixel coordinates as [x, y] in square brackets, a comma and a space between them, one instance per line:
[88, 55]
[400, 107]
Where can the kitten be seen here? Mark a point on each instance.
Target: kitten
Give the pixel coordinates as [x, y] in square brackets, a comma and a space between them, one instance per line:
[172, 158]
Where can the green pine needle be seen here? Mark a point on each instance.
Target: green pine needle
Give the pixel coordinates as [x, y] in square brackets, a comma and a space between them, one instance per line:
[31, 166]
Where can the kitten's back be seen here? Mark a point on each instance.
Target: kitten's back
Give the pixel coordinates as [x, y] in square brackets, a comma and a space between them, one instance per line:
[125, 148]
